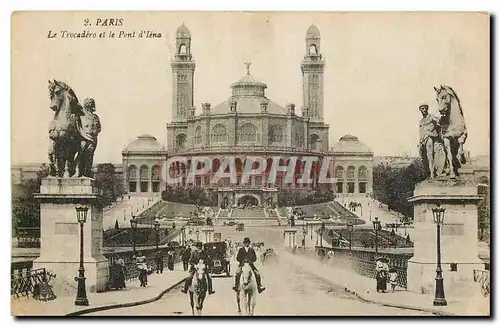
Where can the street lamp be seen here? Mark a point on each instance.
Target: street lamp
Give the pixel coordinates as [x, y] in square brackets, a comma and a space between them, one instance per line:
[438, 215]
[157, 229]
[133, 224]
[81, 294]
[350, 228]
[376, 227]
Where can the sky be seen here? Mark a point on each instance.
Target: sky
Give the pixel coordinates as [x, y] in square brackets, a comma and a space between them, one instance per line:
[379, 68]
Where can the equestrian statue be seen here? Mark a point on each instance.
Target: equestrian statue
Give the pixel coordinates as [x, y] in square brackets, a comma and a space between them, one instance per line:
[442, 138]
[72, 132]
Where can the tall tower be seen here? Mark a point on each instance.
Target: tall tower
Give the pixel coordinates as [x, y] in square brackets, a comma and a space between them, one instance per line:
[312, 75]
[183, 75]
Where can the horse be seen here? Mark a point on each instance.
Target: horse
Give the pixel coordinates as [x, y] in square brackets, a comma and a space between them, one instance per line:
[454, 131]
[198, 288]
[72, 132]
[63, 130]
[248, 286]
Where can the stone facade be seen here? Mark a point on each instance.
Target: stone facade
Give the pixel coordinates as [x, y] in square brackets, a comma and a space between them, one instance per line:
[352, 166]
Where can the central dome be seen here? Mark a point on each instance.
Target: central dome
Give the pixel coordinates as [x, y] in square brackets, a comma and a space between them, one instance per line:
[249, 94]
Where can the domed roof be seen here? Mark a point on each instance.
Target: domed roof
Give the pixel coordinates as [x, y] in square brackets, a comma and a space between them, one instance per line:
[350, 144]
[145, 143]
[249, 94]
[312, 32]
[248, 80]
[183, 31]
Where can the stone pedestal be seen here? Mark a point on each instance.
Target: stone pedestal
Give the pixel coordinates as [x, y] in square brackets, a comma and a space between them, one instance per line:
[459, 244]
[60, 232]
[208, 232]
[290, 237]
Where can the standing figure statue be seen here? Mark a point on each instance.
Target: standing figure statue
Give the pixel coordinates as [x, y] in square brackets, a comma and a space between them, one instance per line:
[431, 144]
[72, 132]
[453, 129]
[90, 127]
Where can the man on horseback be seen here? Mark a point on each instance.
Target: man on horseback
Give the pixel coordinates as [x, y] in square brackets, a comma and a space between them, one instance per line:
[197, 254]
[247, 254]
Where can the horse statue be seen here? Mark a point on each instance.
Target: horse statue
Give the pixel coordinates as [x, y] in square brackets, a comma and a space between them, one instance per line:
[72, 132]
[453, 129]
[198, 289]
[247, 286]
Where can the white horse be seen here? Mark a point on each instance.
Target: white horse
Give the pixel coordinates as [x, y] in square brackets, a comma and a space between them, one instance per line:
[198, 288]
[248, 286]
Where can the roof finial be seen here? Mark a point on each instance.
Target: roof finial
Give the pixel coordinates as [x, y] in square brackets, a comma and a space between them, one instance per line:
[248, 64]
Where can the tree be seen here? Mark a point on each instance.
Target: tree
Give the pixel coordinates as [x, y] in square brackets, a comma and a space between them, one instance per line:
[25, 207]
[393, 185]
[109, 183]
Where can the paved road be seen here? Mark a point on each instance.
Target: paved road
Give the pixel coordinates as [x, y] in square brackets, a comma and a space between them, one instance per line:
[290, 291]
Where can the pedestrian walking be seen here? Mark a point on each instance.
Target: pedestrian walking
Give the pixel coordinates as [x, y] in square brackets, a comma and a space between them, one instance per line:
[381, 270]
[186, 253]
[159, 261]
[170, 258]
[143, 269]
[393, 275]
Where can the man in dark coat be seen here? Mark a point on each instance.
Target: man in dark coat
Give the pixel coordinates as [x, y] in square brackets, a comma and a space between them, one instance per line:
[247, 254]
[197, 254]
[186, 254]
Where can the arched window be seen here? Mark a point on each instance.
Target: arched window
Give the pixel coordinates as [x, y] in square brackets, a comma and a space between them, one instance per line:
[155, 173]
[183, 49]
[362, 173]
[197, 135]
[276, 134]
[299, 136]
[144, 173]
[181, 141]
[155, 178]
[313, 50]
[132, 172]
[351, 173]
[144, 176]
[219, 134]
[339, 173]
[313, 141]
[248, 133]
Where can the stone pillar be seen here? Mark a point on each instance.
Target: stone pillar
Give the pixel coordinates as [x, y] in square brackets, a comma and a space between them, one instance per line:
[459, 242]
[208, 231]
[60, 232]
[290, 237]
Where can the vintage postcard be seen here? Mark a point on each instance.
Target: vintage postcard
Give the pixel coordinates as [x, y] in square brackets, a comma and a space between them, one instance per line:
[250, 163]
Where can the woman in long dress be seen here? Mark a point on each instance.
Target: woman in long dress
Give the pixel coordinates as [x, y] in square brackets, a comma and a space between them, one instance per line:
[382, 270]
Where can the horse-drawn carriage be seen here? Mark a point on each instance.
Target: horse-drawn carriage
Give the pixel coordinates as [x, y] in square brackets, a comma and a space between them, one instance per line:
[217, 258]
[269, 256]
[240, 227]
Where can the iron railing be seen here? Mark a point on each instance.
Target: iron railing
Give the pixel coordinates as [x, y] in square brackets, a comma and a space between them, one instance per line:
[35, 282]
[483, 277]
[363, 261]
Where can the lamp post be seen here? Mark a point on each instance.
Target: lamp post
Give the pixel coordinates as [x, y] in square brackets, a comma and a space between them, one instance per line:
[376, 227]
[438, 215]
[350, 228]
[81, 294]
[157, 229]
[133, 224]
